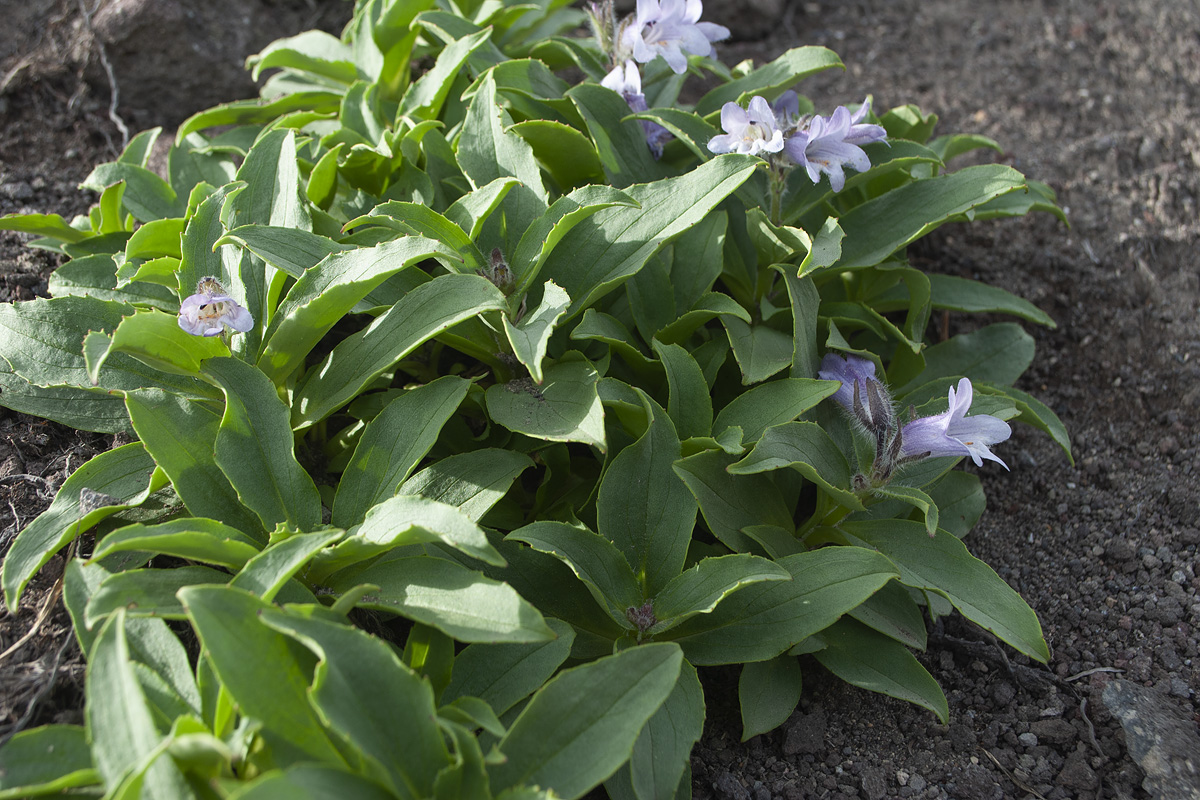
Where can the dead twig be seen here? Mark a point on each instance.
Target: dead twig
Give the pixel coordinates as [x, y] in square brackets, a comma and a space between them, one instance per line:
[1016, 781]
[108, 71]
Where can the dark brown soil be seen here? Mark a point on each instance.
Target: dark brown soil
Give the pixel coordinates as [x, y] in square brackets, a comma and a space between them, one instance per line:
[1099, 100]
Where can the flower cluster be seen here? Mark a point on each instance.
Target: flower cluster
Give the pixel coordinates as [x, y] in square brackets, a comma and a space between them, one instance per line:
[951, 433]
[210, 310]
[818, 144]
[667, 28]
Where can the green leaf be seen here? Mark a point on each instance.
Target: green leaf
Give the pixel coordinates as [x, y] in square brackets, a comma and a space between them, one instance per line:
[998, 354]
[881, 226]
[699, 589]
[768, 692]
[110, 482]
[566, 153]
[417, 219]
[264, 671]
[530, 337]
[420, 315]
[95, 276]
[46, 760]
[760, 351]
[619, 140]
[266, 573]
[272, 194]
[325, 293]
[771, 404]
[254, 448]
[866, 658]
[457, 601]
[311, 782]
[393, 444]
[155, 339]
[805, 302]
[596, 713]
[914, 497]
[367, 695]
[50, 226]
[147, 592]
[255, 112]
[942, 564]
[76, 408]
[644, 508]
[180, 435]
[689, 403]
[730, 503]
[291, 250]
[471, 482]
[503, 675]
[565, 408]
[710, 305]
[472, 210]
[407, 520]
[808, 449]
[193, 538]
[960, 499]
[770, 80]
[972, 297]
[425, 97]
[604, 250]
[892, 611]
[312, 51]
[762, 621]
[119, 723]
[1036, 413]
[892, 163]
[595, 560]
[147, 196]
[660, 755]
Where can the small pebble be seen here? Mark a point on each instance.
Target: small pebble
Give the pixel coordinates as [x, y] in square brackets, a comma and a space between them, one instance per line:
[1028, 740]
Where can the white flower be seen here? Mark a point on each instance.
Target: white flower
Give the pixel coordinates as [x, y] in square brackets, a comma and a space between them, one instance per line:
[667, 28]
[749, 132]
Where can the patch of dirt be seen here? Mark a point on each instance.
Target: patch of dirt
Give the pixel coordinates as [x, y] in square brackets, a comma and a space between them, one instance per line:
[1095, 98]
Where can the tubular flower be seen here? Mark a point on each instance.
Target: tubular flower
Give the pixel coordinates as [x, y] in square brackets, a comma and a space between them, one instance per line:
[749, 132]
[210, 310]
[829, 144]
[667, 28]
[627, 82]
[861, 394]
[953, 433]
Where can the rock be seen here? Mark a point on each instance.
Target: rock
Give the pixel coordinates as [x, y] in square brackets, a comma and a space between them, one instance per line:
[1028, 740]
[16, 191]
[1159, 737]
[1120, 550]
[806, 733]
[1077, 775]
[873, 785]
[1053, 731]
[917, 783]
[962, 738]
[727, 787]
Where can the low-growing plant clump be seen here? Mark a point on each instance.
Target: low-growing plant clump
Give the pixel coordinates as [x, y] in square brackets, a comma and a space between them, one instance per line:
[478, 390]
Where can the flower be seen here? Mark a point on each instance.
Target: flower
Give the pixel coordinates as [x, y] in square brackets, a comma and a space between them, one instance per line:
[787, 109]
[831, 143]
[952, 433]
[861, 394]
[668, 27]
[209, 310]
[749, 132]
[627, 82]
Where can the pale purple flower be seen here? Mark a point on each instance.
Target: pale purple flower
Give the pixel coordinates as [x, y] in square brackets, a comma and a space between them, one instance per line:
[749, 132]
[849, 370]
[861, 394]
[210, 310]
[667, 28]
[627, 82]
[787, 109]
[953, 433]
[829, 144]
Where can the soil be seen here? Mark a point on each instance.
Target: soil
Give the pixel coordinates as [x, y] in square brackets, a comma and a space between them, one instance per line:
[1096, 98]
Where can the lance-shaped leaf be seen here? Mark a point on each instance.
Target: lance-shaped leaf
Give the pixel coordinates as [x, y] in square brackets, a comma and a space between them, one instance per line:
[311, 782]
[291, 250]
[419, 220]
[471, 482]
[147, 196]
[254, 448]
[425, 97]
[155, 339]
[325, 293]
[998, 354]
[761, 351]
[110, 482]
[893, 611]
[594, 560]
[420, 315]
[866, 658]
[699, 589]
[942, 564]
[771, 79]
[73, 407]
[272, 194]
[709, 305]
[49, 226]
[565, 408]
[393, 444]
[312, 51]
[607, 248]
[772, 404]
[530, 337]
[567, 154]
[471, 211]
[119, 721]
[881, 226]
[201, 258]
[503, 675]
[266, 573]
[595, 713]
[808, 449]
[620, 141]
[147, 592]
[917, 499]
[689, 402]
[406, 520]
[265, 672]
[46, 760]
[194, 538]
[660, 755]
[762, 621]
[367, 694]
[644, 508]
[729, 502]
[459, 602]
[768, 692]
[181, 435]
